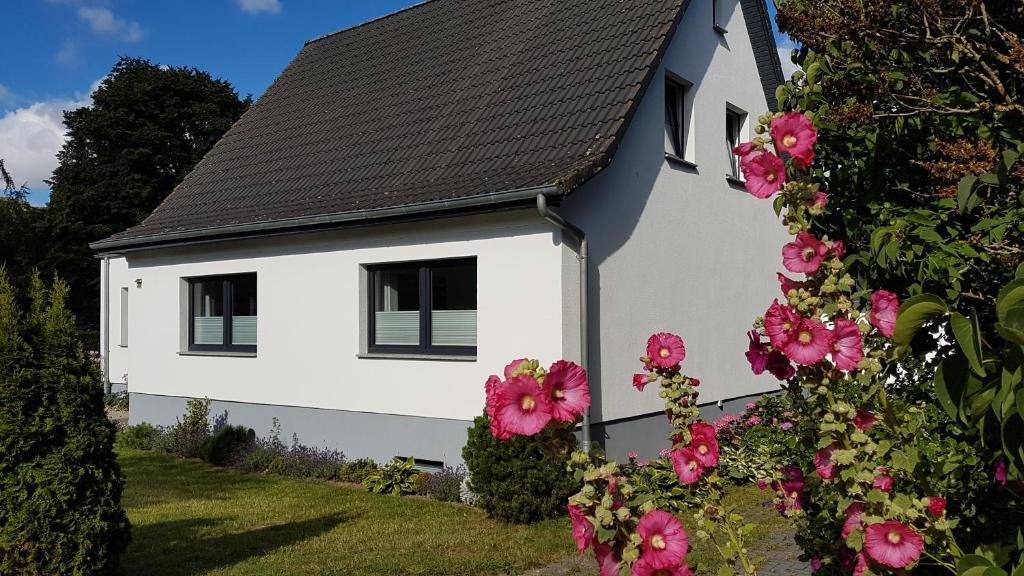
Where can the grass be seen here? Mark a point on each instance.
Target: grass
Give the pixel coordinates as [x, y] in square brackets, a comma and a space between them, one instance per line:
[189, 518]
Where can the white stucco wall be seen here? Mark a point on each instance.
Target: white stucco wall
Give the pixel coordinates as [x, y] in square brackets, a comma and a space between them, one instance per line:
[118, 355]
[309, 316]
[678, 249]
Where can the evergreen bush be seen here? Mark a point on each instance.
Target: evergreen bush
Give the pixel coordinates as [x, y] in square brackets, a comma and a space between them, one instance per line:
[222, 446]
[60, 484]
[523, 479]
[143, 436]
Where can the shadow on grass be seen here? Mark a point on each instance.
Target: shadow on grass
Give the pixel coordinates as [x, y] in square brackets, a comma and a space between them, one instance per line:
[179, 548]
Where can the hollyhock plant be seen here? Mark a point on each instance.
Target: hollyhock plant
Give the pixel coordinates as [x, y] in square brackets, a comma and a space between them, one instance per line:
[607, 562]
[521, 406]
[936, 505]
[805, 254]
[747, 151]
[852, 522]
[1000, 472]
[764, 174]
[582, 529]
[780, 322]
[643, 568]
[513, 366]
[811, 343]
[704, 444]
[793, 133]
[893, 544]
[665, 350]
[883, 483]
[884, 306]
[864, 420]
[780, 366]
[639, 381]
[491, 389]
[786, 284]
[686, 465]
[569, 394]
[664, 541]
[847, 347]
[823, 461]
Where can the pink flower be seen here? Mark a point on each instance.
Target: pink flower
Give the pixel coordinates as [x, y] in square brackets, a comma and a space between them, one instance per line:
[522, 407]
[491, 389]
[513, 366]
[664, 541]
[754, 420]
[745, 150]
[792, 480]
[815, 564]
[704, 444]
[569, 394]
[665, 350]
[793, 133]
[823, 461]
[893, 544]
[837, 249]
[665, 452]
[607, 561]
[936, 505]
[852, 522]
[779, 366]
[1000, 472]
[582, 528]
[751, 405]
[687, 466]
[786, 284]
[780, 322]
[883, 483]
[864, 420]
[884, 306]
[632, 455]
[639, 381]
[762, 483]
[757, 353]
[804, 254]
[820, 200]
[765, 173]
[786, 425]
[812, 342]
[861, 566]
[847, 348]
[643, 568]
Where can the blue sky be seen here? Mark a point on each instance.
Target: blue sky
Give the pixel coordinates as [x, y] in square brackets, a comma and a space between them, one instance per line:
[55, 51]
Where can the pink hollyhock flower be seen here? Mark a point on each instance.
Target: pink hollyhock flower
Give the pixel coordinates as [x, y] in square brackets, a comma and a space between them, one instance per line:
[864, 420]
[643, 568]
[820, 200]
[852, 522]
[746, 150]
[704, 444]
[812, 342]
[762, 483]
[786, 284]
[779, 366]
[757, 353]
[1000, 472]
[815, 564]
[513, 366]
[687, 466]
[804, 254]
[883, 483]
[936, 505]
[823, 461]
[794, 134]
[582, 529]
[893, 544]
[664, 541]
[861, 565]
[607, 561]
[884, 306]
[665, 350]
[566, 384]
[639, 381]
[780, 322]
[837, 249]
[765, 173]
[491, 390]
[792, 483]
[522, 407]
[847, 347]
[786, 425]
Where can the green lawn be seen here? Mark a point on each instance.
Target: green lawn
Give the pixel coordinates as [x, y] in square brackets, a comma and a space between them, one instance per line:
[189, 518]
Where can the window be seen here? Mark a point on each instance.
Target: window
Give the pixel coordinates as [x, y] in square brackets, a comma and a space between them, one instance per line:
[423, 307]
[717, 17]
[734, 123]
[124, 317]
[676, 118]
[222, 313]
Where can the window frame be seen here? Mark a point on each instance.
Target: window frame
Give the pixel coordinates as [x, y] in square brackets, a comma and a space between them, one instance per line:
[123, 336]
[424, 275]
[227, 288]
[680, 145]
[733, 139]
[715, 14]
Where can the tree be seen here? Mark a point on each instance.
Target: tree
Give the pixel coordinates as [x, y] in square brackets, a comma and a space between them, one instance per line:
[147, 126]
[60, 485]
[19, 220]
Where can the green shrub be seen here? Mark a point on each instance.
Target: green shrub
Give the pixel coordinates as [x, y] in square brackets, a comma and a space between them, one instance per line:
[446, 484]
[396, 478]
[520, 480]
[357, 470]
[256, 459]
[222, 446]
[116, 400]
[186, 437]
[60, 485]
[142, 436]
[419, 483]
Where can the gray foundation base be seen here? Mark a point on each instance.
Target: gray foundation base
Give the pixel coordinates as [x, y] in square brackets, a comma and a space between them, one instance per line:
[648, 434]
[357, 434]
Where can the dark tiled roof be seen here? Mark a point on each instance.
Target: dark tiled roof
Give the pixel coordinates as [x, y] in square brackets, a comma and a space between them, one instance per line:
[766, 53]
[446, 100]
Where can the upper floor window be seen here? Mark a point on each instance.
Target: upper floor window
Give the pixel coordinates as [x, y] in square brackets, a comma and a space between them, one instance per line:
[735, 120]
[222, 313]
[426, 307]
[676, 118]
[718, 16]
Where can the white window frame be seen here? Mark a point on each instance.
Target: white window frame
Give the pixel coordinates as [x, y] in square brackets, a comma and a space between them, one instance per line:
[735, 134]
[123, 336]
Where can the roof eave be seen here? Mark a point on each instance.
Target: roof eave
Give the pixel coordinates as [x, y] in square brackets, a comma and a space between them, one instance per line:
[495, 201]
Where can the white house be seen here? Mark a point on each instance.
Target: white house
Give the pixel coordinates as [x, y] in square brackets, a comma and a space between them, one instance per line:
[400, 215]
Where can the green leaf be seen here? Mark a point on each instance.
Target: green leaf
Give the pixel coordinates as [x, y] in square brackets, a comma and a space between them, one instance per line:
[967, 198]
[914, 313]
[950, 382]
[969, 340]
[1010, 296]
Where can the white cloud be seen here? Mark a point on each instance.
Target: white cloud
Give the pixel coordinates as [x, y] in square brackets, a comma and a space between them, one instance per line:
[785, 48]
[6, 97]
[68, 54]
[103, 21]
[257, 6]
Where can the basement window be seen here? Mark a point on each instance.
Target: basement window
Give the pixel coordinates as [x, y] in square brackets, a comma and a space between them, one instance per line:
[426, 307]
[222, 313]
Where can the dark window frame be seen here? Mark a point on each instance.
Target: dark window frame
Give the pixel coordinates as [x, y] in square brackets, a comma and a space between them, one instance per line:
[714, 18]
[425, 347]
[676, 93]
[227, 286]
[733, 138]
